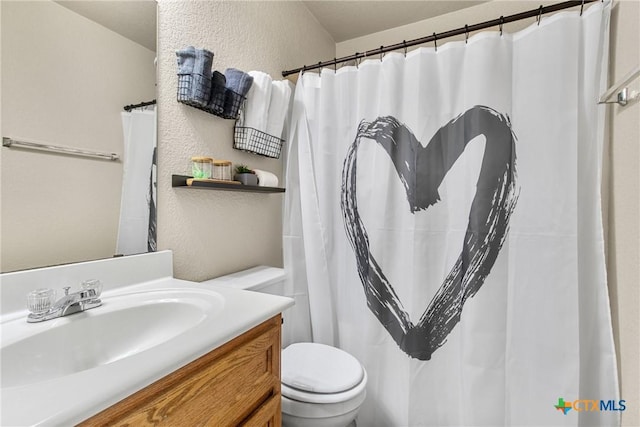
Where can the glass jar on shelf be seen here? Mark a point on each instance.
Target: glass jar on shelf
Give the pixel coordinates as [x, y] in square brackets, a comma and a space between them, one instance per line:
[222, 170]
[201, 167]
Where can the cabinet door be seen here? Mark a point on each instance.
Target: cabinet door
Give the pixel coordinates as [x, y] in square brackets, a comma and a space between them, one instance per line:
[236, 384]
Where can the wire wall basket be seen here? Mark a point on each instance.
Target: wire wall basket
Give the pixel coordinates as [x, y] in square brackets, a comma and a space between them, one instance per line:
[200, 92]
[257, 142]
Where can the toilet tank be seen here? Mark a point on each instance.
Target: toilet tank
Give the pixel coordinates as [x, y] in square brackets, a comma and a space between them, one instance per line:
[265, 279]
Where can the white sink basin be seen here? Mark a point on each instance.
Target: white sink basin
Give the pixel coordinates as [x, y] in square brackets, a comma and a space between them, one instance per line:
[63, 371]
[123, 326]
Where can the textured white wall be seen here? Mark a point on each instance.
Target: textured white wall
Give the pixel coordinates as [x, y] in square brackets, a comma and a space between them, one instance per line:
[65, 80]
[210, 232]
[621, 188]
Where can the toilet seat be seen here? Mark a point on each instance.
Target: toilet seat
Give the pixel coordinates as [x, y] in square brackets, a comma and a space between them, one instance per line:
[318, 373]
[302, 396]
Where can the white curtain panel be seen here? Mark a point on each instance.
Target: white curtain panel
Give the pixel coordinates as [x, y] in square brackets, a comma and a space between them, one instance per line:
[139, 128]
[443, 216]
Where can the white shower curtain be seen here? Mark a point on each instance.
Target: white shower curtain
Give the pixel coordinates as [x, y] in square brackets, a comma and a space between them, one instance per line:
[137, 228]
[443, 215]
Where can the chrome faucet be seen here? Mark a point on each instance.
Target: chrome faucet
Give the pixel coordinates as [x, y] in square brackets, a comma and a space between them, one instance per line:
[70, 303]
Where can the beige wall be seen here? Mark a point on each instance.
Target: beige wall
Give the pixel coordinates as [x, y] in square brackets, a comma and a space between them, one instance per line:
[623, 191]
[216, 232]
[65, 80]
[621, 188]
[472, 15]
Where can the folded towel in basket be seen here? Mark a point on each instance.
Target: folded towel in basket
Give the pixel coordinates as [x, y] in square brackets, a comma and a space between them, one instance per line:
[258, 99]
[259, 128]
[278, 107]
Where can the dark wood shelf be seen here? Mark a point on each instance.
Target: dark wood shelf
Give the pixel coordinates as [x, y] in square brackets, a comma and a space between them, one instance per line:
[181, 181]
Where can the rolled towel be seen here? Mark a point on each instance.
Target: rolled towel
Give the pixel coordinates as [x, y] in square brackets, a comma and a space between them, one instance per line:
[258, 98]
[238, 85]
[186, 59]
[278, 107]
[203, 62]
[194, 74]
[266, 179]
[238, 81]
[216, 101]
[218, 78]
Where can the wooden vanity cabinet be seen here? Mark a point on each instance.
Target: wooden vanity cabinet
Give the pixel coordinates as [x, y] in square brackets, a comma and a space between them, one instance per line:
[235, 384]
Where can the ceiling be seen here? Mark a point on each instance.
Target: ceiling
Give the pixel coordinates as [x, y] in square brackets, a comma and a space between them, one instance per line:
[135, 20]
[343, 19]
[348, 19]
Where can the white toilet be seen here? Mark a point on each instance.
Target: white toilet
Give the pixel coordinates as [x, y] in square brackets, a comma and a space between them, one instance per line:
[322, 386]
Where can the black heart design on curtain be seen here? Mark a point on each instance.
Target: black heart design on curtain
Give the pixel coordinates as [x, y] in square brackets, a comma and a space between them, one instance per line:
[421, 170]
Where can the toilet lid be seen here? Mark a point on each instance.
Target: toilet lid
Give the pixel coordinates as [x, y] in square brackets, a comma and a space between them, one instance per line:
[319, 368]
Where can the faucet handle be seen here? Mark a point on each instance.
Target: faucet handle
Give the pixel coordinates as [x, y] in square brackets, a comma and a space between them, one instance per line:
[40, 300]
[66, 290]
[94, 284]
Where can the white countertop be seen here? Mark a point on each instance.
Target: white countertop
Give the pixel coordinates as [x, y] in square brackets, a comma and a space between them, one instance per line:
[73, 398]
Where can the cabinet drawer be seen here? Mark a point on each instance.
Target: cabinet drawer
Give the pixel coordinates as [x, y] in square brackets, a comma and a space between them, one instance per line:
[227, 387]
[267, 415]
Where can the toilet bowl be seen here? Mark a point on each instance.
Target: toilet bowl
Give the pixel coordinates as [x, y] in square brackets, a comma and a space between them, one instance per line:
[322, 386]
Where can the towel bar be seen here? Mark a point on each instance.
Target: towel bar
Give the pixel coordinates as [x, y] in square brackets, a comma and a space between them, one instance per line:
[9, 142]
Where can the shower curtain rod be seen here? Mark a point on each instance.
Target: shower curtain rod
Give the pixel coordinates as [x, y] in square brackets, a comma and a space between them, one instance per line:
[451, 33]
[128, 108]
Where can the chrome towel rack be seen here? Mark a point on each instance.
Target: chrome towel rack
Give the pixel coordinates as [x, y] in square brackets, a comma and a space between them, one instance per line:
[623, 97]
[10, 142]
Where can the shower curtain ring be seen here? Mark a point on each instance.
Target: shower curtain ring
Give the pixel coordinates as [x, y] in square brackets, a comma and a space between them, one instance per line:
[335, 65]
[404, 43]
[539, 15]
[501, 24]
[304, 68]
[320, 66]
[466, 33]
[381, 47]
[581, 7]
[435, 41]
[356, 59]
